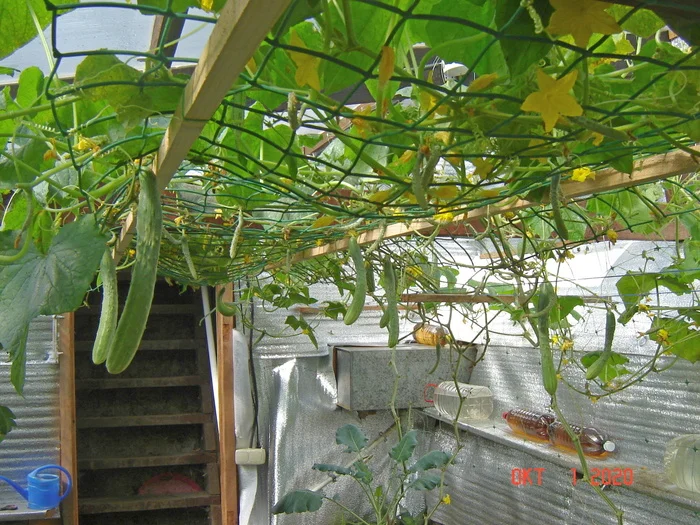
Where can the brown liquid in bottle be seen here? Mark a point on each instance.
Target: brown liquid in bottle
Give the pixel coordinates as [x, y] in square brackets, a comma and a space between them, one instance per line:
[593, 442]
[532, 425]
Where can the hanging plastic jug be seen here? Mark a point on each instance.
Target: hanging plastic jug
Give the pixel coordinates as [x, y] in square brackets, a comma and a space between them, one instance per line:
[43, 490]
[528, 423]
[682, 462]
[592, 441]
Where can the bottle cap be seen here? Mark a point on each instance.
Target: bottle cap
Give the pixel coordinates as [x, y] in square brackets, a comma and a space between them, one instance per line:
[609, 446]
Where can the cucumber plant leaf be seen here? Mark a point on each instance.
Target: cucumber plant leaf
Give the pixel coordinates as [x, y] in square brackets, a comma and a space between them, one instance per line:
[433, 459]
[352, 437]
[39, 284]
[426, 482]
[404, 448]
[7, 421]
[298, 501]
[680, 337]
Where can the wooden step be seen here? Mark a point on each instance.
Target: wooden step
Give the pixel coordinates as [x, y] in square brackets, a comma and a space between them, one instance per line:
[142, 421]
[137, 382]
[190, 458]
[156, 309]
[139, 503]
[150, 344]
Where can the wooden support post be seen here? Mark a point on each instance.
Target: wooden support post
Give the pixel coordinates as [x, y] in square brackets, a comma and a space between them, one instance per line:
[241, 27]
[169, 28]
[228, 470]
[646, 170]
[67, 428]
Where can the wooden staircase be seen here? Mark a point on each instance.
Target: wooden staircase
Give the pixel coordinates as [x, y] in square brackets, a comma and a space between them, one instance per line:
[154, 419]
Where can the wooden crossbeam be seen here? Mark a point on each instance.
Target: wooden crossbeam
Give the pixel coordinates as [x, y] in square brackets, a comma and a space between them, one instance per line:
[646, 170]
[241, 27]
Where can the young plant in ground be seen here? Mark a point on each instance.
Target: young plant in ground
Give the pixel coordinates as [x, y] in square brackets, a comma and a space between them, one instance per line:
[385, 501]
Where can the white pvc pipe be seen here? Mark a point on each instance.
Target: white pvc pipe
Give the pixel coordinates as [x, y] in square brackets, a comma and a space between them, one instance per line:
[211, 346]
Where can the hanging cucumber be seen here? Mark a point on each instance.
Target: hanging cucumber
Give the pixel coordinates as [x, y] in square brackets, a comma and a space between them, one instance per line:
[110, 307]
[392, 309]
[549, 373]
[133, 320]
[358, 298]
[224, 308]
[555, 201]
[369, 270]
[599, 364]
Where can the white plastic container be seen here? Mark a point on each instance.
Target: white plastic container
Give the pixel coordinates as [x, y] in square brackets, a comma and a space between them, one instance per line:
[477, 401]
[682, 462]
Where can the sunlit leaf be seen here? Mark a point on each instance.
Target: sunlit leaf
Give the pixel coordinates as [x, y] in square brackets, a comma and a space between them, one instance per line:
[307, 65]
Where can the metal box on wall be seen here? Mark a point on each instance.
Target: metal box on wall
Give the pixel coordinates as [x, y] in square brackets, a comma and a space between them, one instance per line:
[366, 378]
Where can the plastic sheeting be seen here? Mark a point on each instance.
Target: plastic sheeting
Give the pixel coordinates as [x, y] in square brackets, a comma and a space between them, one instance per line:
[35, 441]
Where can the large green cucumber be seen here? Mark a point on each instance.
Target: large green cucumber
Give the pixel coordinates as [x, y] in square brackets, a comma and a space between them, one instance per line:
[599, 364]
[110, 306]
[357, 303]
[549, 373]
[133, 320]
[392, 309]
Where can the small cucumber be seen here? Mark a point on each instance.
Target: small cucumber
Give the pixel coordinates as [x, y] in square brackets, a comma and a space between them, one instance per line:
[224, 308]
[132, 323]
[358, 298]
[555, 201]
[110, 307]
[599, 364]
[392, 309]
[549, 373]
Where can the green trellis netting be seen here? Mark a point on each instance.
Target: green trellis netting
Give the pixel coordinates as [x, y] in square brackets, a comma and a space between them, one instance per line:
[357, 116]
[420, 144]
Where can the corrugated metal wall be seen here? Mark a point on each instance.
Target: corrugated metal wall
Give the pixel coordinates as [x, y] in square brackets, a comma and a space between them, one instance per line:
[35, 441]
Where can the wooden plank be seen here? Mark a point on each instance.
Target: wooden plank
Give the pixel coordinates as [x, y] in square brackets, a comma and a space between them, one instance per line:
[646, 170]
[148, 344]
[143, 421]
[241, 27]
[67, 419]
[140, 503]
[227, 438]
[136, 382]
[455, 298]
[190, 458]
[169, 29]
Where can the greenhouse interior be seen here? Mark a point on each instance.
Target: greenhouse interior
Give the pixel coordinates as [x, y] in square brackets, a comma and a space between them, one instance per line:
[349, 262]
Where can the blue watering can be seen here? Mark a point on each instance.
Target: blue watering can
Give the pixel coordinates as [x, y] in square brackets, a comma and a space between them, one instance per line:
[43, 490]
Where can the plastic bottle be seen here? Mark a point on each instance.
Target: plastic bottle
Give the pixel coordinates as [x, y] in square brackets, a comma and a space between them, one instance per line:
[477, 401]
[429, 334]
[593, 442]
[534, 425]
[682, 462]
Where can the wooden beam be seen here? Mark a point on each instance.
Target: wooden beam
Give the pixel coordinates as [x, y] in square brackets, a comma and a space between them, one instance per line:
[455, 298]
[167, 29]
[241, 27]
[646, 170]
[67, 427]
[227, 438]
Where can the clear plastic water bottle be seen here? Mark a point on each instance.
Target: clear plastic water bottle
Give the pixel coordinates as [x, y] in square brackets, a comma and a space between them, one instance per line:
[533, 425]
[682, 462]
[592, 441]
[477, 401]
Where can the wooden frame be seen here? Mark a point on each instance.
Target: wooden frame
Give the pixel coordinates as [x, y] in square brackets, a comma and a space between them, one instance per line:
[646, 170]
[242, 25]
[67, 426]
[228, 470]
